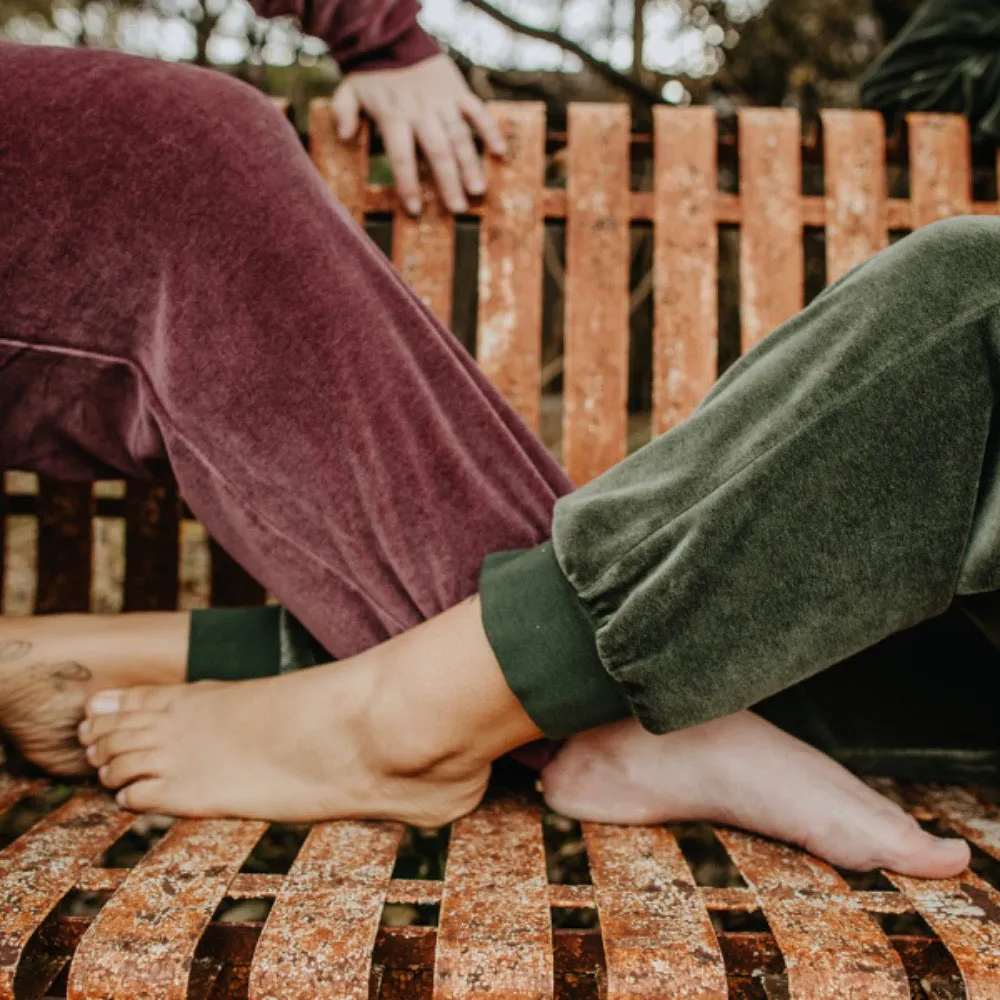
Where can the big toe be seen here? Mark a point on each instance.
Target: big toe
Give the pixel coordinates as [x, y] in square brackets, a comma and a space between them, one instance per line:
[136, 699]
[896, 842]
[922, 855]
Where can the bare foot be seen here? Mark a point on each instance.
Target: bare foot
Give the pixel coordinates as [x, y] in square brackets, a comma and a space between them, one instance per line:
[51, 664]
[742, 771]
[405, 731]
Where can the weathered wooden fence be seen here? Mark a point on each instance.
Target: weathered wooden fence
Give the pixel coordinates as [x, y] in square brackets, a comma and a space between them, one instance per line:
[785, 925]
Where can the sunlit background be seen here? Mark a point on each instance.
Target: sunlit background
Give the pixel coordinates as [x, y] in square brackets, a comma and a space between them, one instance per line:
[755, 51]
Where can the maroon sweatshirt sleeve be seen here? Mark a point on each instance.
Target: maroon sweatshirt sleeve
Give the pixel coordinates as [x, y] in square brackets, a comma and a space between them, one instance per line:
[361, 34]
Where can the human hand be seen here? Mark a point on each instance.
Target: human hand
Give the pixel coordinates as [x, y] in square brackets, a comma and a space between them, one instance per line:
[428, 104]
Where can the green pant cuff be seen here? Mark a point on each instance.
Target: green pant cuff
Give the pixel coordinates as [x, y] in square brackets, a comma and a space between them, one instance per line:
[234, 644]
[544, 639]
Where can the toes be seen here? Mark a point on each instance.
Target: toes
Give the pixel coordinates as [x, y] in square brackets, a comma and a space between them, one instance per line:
[130, 767]
[93, 729]
[137, 699]
[118, 742]
[148, 795]
[920, 854]
[165, 795]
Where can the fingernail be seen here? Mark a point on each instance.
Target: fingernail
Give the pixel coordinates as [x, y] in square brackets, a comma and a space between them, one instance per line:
[102, 772]
[459, 205]
[92, 753]
[83, 730]
[476, 187]
[413, 206]
[105, 703]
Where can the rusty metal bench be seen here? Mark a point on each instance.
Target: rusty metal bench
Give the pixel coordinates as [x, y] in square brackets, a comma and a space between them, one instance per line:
[779, 924]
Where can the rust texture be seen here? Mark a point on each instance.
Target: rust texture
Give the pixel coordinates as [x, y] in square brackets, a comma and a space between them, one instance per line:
[685, 263]
[495, 930]
[964, 912]
[64, 546]
[152, 530]
[856, 188]
[772, 262]
[658, 938]
[728, 208]
[155, 936]
[41, 866]
[510, 261]
[833, 950]
[595, 394]
[344, 166]
[940, 168]
[143, 942]
[12, 790]
[320, 936]
[423, 250]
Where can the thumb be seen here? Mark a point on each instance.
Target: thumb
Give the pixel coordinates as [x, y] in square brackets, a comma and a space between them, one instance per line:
[346, 110]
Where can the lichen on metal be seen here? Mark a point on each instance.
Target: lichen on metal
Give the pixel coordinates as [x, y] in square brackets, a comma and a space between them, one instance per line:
[144, 940]
[319, 938]
[658, 938]
[495, 930]
[833, 950]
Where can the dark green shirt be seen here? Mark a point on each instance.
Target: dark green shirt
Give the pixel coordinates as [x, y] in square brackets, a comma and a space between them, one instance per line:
[946, 59]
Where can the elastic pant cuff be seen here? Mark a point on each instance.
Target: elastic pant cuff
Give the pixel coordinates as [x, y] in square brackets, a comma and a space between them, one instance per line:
[545, 641]
[234, 644]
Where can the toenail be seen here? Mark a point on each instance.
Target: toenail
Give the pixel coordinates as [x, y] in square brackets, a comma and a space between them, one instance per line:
[106, 702]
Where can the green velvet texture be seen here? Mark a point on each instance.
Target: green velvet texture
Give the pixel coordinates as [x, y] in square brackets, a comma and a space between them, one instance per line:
[837, 485]
[546, 646]
[239, 644]
[233, 644]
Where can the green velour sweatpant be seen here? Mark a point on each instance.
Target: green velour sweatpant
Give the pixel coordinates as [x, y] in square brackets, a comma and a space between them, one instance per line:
[838, 484]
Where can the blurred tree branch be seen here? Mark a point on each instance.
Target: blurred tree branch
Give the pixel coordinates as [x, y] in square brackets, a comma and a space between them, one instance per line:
[621, 81]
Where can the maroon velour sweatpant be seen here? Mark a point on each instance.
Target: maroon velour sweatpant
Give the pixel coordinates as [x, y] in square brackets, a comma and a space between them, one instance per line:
[177, 285]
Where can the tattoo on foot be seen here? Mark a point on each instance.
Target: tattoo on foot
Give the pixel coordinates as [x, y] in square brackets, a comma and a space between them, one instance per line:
[68, 671]
[14, 650]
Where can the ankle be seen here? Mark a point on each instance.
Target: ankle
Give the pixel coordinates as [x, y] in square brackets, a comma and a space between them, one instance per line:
[440, 702]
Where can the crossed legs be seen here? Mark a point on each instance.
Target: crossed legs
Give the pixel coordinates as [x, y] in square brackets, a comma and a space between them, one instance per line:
[236, 325]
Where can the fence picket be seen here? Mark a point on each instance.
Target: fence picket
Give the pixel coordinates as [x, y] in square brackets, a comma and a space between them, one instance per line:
[685, 262]
[772, 261]
[510, 261]
[856, 193]
[595, 395]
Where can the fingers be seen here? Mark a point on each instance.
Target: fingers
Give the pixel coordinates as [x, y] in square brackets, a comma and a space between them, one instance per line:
[469, 167]
[347, 111]
[441, 155]
[397, 134]
[485, 124]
